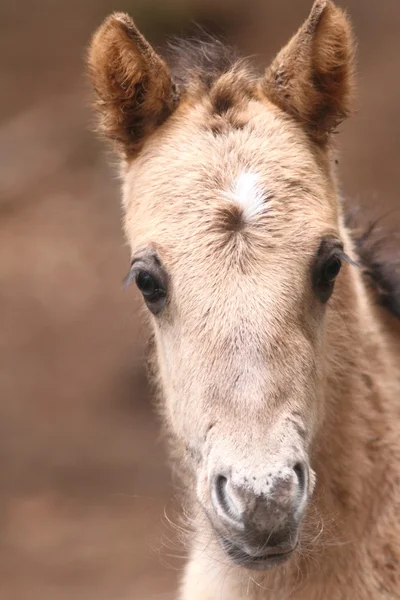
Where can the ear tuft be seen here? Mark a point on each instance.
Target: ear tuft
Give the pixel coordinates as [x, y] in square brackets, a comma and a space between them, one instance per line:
[312, 78]
[132, 83]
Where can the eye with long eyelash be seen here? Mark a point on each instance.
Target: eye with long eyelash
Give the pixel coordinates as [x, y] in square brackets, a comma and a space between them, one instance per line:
[151, 280]
[327, 266]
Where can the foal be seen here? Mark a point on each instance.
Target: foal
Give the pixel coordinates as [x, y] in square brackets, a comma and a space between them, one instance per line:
[280, 383]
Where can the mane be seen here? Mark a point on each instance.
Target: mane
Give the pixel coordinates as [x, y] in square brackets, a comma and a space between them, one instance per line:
[381, 271]
[203, 60]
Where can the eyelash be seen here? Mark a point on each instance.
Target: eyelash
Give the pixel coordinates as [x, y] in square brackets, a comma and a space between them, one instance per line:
[329, 252]
[149, 269]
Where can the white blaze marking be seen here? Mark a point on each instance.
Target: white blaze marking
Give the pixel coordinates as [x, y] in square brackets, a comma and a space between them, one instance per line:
[248, 194]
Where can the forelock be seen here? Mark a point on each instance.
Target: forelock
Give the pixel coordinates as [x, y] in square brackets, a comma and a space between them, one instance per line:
[206, 65]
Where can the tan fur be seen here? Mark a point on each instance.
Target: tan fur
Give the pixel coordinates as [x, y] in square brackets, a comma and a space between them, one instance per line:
[244, 347]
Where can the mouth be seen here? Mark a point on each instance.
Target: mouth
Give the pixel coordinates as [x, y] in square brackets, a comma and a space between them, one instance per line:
[259, 562]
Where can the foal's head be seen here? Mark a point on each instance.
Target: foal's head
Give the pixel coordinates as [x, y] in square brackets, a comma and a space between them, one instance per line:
[232, 216]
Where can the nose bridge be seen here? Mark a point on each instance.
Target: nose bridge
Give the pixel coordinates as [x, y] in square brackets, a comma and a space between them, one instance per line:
[248, 385]
[254, 373]
[261, 381]
[255, 448]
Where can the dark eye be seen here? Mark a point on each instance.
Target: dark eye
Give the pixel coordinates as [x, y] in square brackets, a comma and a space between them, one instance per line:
[150, 277]
[326, 267]
[150, 287]
[331, 269]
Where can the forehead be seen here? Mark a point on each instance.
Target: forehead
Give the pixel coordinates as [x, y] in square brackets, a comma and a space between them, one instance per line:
[207, 176]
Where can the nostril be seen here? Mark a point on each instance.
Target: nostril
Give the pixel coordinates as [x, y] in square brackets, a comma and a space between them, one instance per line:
[300, 470]
[227, 505]
[220, 484]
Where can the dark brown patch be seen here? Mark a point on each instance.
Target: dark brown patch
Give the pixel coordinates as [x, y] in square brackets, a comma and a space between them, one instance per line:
[222, 125]
[229, 217]
[233, 90]
[223, 101]
[218, 125]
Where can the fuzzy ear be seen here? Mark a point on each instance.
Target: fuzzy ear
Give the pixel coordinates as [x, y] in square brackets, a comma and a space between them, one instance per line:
[132, 83]
[312, 77]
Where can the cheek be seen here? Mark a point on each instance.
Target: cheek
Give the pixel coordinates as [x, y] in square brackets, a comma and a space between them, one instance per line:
[314, 324]
[181, 386]
[168, 361]
[298, 380]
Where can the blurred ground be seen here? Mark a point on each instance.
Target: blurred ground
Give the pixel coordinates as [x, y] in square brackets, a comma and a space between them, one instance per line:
[83, 483]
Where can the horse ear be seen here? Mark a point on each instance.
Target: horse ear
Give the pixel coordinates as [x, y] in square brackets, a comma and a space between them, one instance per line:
[133, 85]
[312, 78]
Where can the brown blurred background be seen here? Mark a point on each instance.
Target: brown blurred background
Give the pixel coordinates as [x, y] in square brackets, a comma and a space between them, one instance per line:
[83, 479]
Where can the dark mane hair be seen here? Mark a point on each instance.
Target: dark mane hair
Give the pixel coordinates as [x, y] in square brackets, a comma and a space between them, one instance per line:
[203, 59]
[381, 272]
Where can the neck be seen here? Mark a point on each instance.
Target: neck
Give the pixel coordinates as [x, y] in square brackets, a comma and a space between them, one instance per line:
[360, 400]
